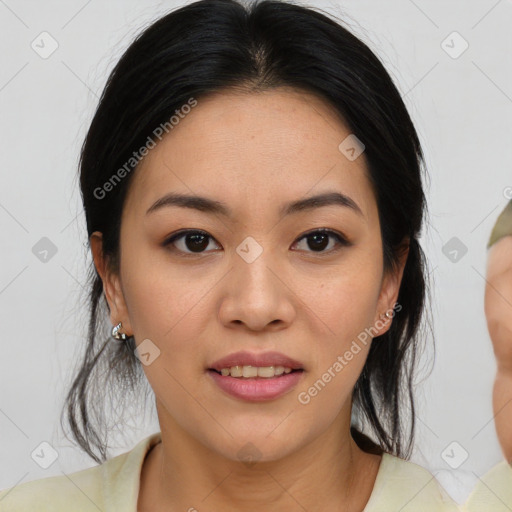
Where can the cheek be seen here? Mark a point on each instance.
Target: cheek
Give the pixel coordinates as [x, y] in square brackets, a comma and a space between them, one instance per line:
[166, 308]
[342, 311]
[162, 298]
[346, 300]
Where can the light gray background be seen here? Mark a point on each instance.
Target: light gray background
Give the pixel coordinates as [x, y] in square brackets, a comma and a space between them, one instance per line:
[462, 108]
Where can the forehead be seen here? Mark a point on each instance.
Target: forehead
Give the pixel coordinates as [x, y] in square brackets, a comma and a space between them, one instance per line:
[253, 150]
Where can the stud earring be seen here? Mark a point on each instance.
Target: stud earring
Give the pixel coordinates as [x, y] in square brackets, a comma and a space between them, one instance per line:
[118, 336]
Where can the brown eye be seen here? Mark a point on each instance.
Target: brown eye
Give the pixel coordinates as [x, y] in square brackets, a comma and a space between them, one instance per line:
[195, 241]
[318, 240]
[190, 241]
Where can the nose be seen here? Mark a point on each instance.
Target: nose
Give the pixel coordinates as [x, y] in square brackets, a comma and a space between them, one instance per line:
[257, 294]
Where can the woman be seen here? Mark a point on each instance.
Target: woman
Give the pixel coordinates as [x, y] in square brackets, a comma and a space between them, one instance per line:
[253, 195]
[493, 492]
[498, 312]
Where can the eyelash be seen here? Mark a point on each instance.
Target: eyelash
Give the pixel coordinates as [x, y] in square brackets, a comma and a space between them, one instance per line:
[343, 242]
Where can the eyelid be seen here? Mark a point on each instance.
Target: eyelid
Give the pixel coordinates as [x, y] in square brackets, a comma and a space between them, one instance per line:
[327, 231]
[181, 234]
[342, 240]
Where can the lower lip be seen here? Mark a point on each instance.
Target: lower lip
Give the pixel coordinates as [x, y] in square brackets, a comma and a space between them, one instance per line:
[258, 388]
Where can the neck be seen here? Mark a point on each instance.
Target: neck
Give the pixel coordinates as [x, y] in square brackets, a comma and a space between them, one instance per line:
[330, 473]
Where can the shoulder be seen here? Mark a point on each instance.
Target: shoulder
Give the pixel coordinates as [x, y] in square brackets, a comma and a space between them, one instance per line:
[503, 225]
[493, 491]
[408, 487]
[76, 491]
[112, 485]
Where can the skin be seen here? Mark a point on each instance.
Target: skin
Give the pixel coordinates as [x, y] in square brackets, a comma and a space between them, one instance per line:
[498, 312]
[255, 152]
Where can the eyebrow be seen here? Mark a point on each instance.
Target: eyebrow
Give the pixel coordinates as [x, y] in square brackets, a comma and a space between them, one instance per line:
[207, 205]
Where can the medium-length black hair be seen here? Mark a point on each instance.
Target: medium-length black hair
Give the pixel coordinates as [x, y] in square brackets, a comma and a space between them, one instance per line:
[209, 46]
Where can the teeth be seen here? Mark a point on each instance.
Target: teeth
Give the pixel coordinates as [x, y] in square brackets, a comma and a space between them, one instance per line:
[254, 371]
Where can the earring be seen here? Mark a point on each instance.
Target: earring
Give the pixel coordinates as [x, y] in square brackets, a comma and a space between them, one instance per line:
[118, 336]
[387, 314]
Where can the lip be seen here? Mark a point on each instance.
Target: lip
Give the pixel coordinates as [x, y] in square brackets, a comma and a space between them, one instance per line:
[263, 359]
[257, 389]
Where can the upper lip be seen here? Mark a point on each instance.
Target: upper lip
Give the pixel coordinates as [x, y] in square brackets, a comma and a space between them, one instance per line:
[262, 359]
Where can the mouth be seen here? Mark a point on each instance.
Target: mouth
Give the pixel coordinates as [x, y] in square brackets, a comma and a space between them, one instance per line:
[256, 388]
[249, 364]
[248, 372]
[250, 376]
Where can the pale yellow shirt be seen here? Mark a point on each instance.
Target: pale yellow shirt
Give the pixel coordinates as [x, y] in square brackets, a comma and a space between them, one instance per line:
[114, 487]
[493, 492]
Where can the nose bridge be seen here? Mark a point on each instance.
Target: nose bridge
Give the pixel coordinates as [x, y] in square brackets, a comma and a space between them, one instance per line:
[254, 263]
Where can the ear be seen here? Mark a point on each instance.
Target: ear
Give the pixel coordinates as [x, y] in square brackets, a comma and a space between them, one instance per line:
[111, 285]
[389, 291]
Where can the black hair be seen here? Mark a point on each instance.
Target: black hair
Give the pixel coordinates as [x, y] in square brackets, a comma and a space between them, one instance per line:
[207, 47]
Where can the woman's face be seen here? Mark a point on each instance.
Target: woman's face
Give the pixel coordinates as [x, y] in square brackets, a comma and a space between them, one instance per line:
[253, 282]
